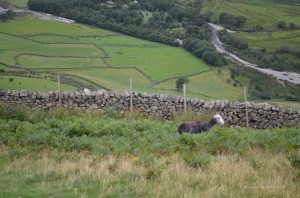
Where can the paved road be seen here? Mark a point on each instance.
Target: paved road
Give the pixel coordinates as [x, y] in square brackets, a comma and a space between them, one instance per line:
[281, 75]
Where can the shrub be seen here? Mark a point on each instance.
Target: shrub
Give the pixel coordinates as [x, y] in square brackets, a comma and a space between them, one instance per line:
[202, 160]
[180, 81]
[295, 159]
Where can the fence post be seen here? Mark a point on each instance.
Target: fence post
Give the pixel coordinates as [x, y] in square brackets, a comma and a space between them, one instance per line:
[184, 98]
[246, 107]
[59, 91]
[130, 96]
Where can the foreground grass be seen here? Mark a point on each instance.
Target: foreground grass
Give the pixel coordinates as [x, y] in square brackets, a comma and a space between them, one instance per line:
[63, 153]
[75, 174]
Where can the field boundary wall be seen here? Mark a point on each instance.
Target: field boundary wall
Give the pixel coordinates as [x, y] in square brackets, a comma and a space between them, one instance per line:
[261, 115]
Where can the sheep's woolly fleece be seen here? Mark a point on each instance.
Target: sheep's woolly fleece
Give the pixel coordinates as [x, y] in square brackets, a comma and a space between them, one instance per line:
[198, 127]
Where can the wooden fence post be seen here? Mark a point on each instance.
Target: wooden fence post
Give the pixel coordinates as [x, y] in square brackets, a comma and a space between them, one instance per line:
[59, 91]
[184, 98]
[246, 107]
[131, 108]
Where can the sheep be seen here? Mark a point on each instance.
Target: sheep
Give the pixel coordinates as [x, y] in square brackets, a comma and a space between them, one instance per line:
[198, 127]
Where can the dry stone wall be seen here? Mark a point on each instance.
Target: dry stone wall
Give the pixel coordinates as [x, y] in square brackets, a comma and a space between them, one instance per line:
[164, 106]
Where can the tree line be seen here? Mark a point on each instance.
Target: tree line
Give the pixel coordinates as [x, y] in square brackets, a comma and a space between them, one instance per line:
[164, 21]
[282, 59]
[9, 14]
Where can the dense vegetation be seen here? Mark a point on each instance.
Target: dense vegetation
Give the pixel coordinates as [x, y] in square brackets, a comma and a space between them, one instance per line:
[160, 21]
[264, 87]
[76, 153]
[284, 58]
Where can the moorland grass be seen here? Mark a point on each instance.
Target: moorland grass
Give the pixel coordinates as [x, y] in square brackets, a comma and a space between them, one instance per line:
[71, 153]
[258, 174]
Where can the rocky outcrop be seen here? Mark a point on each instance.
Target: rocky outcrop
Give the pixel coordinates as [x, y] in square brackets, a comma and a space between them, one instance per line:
[261, 115]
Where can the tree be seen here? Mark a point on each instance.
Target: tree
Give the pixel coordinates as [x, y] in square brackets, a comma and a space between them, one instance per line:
[281, 25]
[292, 26]
[180, 81]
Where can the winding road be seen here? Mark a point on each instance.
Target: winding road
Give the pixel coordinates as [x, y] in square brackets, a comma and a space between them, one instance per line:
[281, 75]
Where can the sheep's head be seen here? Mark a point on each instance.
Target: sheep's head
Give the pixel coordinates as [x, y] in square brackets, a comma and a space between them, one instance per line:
[218, 119]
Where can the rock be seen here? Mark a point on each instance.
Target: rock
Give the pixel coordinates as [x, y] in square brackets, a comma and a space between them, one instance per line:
[87, 92]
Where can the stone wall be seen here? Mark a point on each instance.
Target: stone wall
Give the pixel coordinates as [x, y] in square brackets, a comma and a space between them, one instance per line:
[164, 106]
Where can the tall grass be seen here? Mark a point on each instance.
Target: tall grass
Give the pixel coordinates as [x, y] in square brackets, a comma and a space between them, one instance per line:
[259, 174]
[71, 153]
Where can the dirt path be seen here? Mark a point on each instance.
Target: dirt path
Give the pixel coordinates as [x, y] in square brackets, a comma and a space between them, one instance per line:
[281, 75]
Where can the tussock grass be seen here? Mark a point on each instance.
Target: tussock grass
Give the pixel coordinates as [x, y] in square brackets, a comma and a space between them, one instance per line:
[257, 174]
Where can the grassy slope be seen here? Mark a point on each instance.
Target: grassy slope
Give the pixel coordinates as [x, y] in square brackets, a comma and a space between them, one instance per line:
[209, 85]
[158, 61]
[19, 3]
[272, 41]
[258, 12]
[123, 51]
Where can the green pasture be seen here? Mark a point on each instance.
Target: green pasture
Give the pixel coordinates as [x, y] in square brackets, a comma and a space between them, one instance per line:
[119, 80]
[272, 41]
[114, 79]
[21, 83]
[19, 3]
[112, 39]
[12, 46]
[159, 63]
[125, 51]
[35, 26]
[32, 61]
[258, 12]
[208, 85]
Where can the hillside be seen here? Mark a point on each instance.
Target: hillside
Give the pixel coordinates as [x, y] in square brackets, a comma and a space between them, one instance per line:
[99, 58]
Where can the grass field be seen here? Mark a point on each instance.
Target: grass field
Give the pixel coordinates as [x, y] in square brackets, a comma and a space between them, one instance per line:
[20, 83]
[19, 3]
[266, 13]
[202, 86]
[272, 41]
[33, 61]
